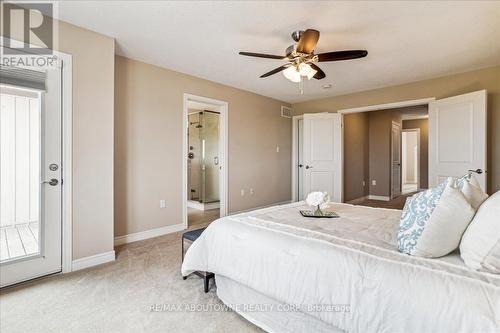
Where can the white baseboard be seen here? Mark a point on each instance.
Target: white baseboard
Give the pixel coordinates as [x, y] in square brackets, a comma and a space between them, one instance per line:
[137, 236]
[357, 200]
[260, 207]
[94, 260]
[379, 197]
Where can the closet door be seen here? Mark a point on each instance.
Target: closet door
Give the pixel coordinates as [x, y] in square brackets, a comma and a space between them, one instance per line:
[323, 154]
[457, 137]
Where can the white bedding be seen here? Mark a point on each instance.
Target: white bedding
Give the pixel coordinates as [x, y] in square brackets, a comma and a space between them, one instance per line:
[351, 260]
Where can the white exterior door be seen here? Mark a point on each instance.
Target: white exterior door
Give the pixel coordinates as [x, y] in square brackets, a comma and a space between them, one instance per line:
[323, 154]
[396, 160]
[457, 137]
[30, 200]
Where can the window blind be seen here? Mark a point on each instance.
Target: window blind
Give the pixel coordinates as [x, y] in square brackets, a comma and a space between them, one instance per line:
[22, 77]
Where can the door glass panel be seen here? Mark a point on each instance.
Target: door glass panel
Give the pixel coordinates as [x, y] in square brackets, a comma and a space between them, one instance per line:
[20, 142]
[209, 135]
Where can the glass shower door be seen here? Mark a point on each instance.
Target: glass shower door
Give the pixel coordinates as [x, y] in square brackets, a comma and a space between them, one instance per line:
[209, 140]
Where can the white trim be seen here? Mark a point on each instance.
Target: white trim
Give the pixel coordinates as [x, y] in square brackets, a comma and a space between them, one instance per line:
[379, 197]
[408, 118]
[151, 233]
[295, 156]
[418, 157]
[67, 157]
[97, 259]
[261, 207]
[67, 162]
[223, 152]
[394, 105]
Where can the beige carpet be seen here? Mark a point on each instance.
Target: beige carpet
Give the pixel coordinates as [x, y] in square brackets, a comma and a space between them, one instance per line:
[117, 297]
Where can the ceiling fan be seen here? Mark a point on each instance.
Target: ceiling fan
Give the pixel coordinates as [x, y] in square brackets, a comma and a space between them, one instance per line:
[301, 59]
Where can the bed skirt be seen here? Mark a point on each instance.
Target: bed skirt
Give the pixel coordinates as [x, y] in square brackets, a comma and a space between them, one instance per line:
[267, 313]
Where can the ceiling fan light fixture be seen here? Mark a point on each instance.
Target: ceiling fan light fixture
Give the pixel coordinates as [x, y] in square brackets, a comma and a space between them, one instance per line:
[307, 70]
[292, 74]
[295, 73]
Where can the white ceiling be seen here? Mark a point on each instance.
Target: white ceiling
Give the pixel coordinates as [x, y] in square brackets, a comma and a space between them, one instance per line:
[407, 41]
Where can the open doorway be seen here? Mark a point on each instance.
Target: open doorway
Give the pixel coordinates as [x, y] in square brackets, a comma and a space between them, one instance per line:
[204, 168]
[383, 155]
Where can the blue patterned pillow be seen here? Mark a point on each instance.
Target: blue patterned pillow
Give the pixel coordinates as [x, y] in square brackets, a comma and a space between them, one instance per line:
[416, 213]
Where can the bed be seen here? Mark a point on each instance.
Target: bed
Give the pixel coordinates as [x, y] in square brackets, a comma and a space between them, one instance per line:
[287, 273]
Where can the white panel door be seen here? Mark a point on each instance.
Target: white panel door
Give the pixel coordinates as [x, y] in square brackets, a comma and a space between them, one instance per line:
[30, 174]
[457, 137]
[396, 160]
[323, 154]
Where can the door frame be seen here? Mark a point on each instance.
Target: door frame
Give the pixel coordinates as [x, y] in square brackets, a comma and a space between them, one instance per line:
[67, 154]
[416, 130]
[295, 157]
[392, 159]
[223, 152]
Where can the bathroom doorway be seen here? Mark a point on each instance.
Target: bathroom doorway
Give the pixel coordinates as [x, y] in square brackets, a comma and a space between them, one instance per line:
[205, 157]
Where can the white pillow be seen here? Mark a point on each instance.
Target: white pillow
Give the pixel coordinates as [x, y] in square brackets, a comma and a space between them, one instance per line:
[480, 246]
[431, 232]
[472, 191]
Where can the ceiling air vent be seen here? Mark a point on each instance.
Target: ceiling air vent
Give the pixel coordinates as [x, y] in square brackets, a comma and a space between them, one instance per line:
[286, 112]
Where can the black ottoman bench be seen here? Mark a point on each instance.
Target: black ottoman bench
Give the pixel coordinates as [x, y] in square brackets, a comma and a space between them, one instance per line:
[192, 236]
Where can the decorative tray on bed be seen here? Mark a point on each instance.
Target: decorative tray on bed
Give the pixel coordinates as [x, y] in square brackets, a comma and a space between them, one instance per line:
[310, 213]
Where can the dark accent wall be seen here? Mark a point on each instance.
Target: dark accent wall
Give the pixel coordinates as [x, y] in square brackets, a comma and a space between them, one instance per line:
[356, 155]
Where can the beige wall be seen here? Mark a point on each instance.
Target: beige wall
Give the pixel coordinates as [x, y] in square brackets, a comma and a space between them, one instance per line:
[488, 78]
[356, 144]
[93, 110]
[423, 125]
[148, 137]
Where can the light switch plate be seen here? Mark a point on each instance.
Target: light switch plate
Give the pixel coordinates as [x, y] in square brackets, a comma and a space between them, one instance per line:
[163, 204]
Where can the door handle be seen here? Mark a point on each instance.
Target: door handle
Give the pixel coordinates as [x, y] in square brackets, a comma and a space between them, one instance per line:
[52, 182]
[308, 167]
[301, 165]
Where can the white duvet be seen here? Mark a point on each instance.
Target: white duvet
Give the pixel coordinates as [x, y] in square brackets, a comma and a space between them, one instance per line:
[351, 261]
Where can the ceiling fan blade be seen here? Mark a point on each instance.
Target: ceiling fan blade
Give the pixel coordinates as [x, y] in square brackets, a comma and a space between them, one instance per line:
[276, 70]
[319, 74]
[308, 41]
[342, 55]
[262, 55]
